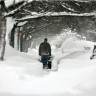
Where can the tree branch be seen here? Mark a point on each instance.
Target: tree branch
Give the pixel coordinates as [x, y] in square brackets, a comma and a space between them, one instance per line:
[49, 14]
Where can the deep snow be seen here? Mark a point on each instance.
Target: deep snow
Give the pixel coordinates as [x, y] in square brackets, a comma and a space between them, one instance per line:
[21, 74]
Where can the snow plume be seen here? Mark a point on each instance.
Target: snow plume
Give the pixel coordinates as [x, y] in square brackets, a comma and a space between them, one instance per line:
[65, 34]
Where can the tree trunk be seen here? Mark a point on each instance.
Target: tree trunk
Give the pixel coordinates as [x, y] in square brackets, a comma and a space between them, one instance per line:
[3, 30]
[3, 35]
[12, 35]
[21, 42]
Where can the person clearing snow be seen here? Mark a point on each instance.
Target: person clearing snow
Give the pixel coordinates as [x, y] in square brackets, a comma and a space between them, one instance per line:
[94, 53]
[45, 53]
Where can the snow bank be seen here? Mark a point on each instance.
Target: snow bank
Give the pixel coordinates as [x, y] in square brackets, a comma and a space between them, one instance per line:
[29, 64]
[76, 45]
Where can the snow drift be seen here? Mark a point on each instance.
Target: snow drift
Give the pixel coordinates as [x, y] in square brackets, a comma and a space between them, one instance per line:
[21, 74]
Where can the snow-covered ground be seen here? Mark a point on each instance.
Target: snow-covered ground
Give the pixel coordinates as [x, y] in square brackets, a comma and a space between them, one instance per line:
[21, 74]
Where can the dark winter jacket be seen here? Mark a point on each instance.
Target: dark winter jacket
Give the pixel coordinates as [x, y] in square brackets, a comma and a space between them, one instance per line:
[45, 49]
[94, 50]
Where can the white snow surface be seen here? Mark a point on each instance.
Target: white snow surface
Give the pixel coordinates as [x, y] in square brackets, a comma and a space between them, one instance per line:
[21, 74]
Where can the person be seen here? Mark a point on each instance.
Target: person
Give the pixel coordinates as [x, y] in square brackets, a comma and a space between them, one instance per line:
[94, 52]
[45, 52]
